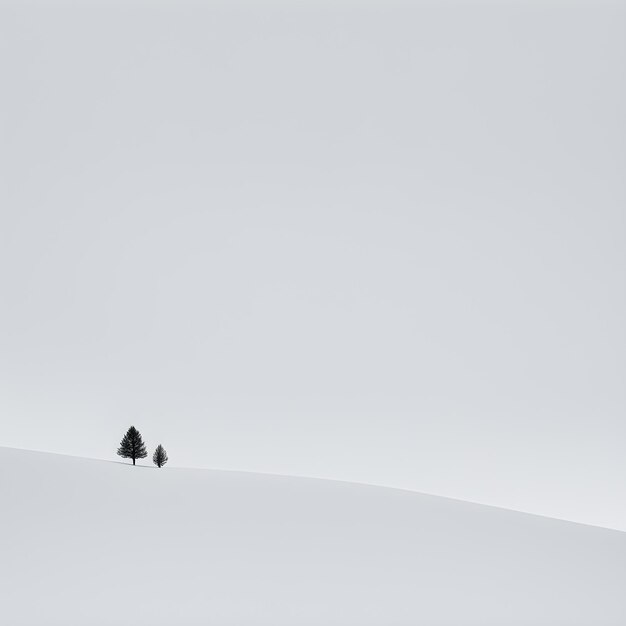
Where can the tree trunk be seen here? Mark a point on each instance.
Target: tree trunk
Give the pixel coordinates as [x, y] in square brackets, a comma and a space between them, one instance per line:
[133, 461]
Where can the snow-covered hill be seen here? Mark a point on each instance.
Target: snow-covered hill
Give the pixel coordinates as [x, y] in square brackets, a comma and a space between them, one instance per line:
[94, 543]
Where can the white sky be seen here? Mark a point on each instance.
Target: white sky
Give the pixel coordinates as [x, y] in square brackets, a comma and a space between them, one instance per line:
[380, 243]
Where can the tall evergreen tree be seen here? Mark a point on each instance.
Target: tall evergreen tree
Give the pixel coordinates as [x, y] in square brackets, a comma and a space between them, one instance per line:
[132, 445]
[159, 458]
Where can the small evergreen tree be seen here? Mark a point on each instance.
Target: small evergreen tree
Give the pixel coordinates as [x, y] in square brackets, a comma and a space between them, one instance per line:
[132, 445]
[159, 458]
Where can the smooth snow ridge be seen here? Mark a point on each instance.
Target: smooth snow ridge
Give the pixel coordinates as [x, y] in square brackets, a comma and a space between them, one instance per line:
[91, 543]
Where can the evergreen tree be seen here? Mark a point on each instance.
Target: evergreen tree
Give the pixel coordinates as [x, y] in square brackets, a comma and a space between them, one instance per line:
[159, 458]
[132, 445]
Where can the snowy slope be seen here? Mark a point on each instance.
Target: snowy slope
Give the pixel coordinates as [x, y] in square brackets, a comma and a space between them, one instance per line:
[87, 542]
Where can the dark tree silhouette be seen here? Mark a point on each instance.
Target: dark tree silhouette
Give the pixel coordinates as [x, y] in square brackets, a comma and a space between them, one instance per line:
[159, 458]
[132, 445]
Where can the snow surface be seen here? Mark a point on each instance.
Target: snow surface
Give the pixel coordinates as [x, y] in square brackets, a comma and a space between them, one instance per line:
[85, 542]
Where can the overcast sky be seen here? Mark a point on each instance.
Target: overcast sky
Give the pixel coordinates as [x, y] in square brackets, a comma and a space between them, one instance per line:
[381, 243]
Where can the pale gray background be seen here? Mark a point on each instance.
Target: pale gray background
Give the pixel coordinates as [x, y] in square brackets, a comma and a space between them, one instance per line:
[381, 242]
